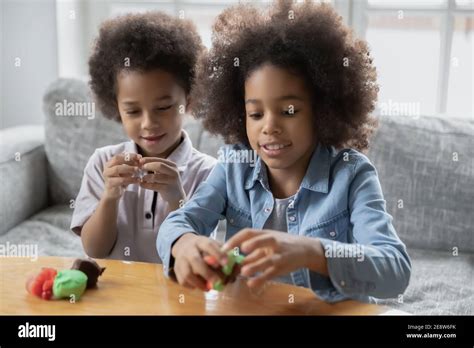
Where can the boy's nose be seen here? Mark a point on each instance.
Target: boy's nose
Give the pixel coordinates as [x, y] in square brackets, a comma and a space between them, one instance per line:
[148, 121]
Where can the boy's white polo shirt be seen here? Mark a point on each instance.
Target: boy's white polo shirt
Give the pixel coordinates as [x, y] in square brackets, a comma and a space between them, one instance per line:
[137, 230]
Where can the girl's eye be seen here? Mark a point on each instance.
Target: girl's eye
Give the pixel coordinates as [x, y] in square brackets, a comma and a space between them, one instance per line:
[132, 112]
[255, 115]
[290, 112]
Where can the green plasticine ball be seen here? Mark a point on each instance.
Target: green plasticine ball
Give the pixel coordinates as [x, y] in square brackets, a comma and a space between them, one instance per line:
[69, 282]
[232, 261]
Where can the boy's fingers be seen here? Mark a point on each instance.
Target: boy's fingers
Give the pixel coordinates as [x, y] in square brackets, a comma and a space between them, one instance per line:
[146, 160]
[156, 178]
[120, 169]
[119, 181]
[160, 168]
[124, 158]
[239, 238]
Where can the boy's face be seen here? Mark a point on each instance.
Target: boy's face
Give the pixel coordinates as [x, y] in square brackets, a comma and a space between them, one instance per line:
[149, 104]
[279, 118]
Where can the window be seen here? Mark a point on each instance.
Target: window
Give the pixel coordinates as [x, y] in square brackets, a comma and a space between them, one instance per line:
[423, 51]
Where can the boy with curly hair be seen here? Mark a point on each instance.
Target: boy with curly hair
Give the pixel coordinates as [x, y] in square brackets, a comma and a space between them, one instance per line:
[142, 72]
[294, 86]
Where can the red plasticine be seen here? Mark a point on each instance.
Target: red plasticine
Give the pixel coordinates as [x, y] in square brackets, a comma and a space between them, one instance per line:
[41, 284]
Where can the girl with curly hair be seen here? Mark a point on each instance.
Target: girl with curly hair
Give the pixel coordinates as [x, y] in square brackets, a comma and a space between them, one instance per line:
[293, 85]
[142, 72]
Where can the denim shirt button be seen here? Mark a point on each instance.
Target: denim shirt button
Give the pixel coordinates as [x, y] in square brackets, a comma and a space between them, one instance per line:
[231, 221]
[267, 210]
[292, 218]
[332, 234]
[343, 283]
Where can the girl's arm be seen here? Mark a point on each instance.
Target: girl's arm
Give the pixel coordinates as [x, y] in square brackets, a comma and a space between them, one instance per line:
[381, 267]
[200, 215]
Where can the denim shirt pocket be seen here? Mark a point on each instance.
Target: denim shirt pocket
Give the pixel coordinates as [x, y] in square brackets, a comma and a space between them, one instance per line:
[335, 228]
[236, 220]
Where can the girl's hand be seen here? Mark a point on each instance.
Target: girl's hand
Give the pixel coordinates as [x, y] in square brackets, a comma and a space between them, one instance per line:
[165, 179]
[275, 253]
[118, 174]
[190, 268]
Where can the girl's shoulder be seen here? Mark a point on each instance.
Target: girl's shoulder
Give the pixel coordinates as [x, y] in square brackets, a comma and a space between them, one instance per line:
[346, 156]
[350, 161]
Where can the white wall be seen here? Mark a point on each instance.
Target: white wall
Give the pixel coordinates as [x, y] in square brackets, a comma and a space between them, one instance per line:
[28, 32]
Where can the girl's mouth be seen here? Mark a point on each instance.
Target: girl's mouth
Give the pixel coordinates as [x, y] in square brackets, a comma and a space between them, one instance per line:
[274, 149]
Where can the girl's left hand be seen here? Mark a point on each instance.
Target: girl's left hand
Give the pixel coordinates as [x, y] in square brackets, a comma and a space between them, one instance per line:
[165, 179]
[272, 253]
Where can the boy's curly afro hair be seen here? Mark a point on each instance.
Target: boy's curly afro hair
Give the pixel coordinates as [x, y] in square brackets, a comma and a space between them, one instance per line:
[307, 38]
[145, 42]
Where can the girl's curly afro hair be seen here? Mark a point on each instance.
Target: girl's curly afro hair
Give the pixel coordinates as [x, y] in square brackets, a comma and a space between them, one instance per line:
[142, 42]
[307, 38]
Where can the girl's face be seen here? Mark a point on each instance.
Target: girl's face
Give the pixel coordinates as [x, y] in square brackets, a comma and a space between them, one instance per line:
[279, 118]
[149, 104]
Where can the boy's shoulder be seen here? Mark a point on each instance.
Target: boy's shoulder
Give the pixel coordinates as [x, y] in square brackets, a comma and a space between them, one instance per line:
[202, 160]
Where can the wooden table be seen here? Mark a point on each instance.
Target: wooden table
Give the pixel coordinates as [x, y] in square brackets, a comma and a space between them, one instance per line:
[141, 289]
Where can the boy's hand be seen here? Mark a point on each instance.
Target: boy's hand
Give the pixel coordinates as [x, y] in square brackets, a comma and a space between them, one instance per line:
[118, 174]
[189, 266]
[274, 253]
[165, 179]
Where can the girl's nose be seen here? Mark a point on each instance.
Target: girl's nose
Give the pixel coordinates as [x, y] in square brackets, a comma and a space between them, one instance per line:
[270, 125]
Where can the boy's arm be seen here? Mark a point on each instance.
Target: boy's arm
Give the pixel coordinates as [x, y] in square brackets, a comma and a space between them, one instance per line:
[383, 266]
[95, 213]
[200, 215]
[99, 233]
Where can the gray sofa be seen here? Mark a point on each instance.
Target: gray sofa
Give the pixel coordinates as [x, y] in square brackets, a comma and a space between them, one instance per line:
[429, 191]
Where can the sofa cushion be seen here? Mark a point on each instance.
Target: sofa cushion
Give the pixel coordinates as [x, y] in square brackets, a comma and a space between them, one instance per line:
[440, 284]
[23, 173]
[71, 139]
[49, 230]
[426, 170]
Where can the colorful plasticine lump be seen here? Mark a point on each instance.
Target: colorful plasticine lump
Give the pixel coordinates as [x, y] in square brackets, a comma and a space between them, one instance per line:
[227, 272]
[50, 284]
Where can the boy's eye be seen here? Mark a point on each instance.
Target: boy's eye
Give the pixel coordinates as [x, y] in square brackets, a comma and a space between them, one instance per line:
[132, 112]
[164, 108]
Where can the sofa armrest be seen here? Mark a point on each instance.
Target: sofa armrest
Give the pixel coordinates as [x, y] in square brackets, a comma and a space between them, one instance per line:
[23, 169]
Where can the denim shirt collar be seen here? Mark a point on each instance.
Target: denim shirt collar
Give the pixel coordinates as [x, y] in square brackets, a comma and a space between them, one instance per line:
[316, 177]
